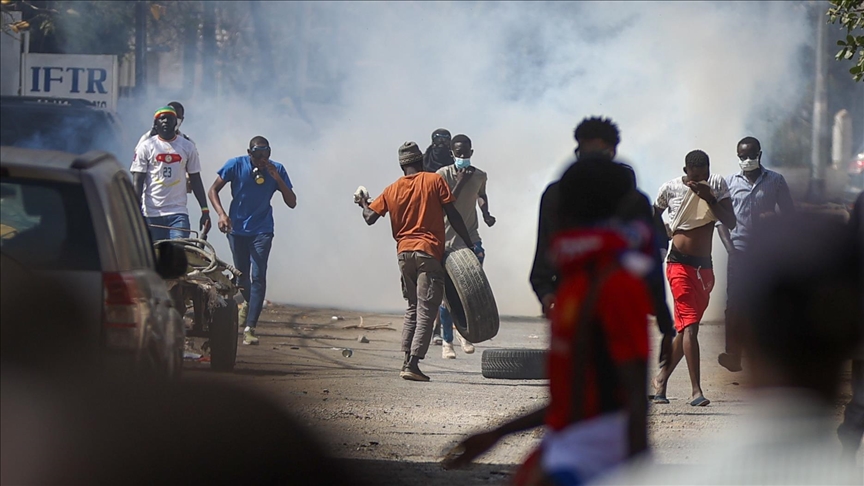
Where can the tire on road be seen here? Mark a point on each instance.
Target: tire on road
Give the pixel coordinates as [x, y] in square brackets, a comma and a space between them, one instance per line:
[469, 297]
[514, 364]
[223, 327]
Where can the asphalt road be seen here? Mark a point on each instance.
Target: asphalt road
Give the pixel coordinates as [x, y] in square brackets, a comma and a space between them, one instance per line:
[386, 430]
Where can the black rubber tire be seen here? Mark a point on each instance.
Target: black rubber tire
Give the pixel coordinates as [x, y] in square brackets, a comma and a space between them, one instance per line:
[469, 297]
[514, 364]
[224, 328]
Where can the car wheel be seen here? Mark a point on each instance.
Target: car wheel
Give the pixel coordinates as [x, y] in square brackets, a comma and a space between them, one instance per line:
[223, 327]
[469, 297]
[514, 364]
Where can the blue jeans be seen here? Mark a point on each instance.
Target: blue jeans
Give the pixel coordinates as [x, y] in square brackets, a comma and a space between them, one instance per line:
[250, 257]
[446, 318]
[172, 220]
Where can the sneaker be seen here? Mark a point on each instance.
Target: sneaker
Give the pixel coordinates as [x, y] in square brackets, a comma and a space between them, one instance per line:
[447, 351]
[436, 340]
[731, 362]
[242, 313]
[467, 347]
[249, 337]
[412, 374]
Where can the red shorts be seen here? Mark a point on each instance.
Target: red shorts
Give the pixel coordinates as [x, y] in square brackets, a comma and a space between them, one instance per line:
[691, 289]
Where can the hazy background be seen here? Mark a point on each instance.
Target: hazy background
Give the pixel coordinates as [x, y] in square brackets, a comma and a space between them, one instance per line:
[516, 78]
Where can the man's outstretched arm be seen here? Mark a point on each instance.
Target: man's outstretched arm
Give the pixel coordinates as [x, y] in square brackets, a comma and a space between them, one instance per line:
[477, 444]
[368, 214]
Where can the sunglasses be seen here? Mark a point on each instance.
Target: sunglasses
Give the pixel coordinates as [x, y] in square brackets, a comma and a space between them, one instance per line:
[260, 148]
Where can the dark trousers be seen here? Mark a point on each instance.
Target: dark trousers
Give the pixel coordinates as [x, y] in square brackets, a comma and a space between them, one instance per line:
[423, 288]
[250, 257]
[734, 315]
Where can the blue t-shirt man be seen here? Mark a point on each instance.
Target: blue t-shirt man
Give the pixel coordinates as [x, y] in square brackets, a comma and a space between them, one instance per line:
[250, 210]
[249, 224]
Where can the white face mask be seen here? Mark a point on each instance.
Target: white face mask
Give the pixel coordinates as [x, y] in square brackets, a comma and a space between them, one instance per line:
[749, 164]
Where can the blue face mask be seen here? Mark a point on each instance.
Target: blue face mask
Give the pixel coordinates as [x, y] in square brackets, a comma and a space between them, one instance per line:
[461, 163]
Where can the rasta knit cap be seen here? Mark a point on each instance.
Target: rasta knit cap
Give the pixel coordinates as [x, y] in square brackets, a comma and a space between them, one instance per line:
[163, 110]
[409, 153]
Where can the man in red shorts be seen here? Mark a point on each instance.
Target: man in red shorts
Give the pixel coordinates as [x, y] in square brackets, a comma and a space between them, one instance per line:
[597, 413]
[695, 202]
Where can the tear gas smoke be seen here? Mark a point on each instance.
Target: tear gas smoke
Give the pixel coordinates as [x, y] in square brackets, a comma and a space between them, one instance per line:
[516, 78]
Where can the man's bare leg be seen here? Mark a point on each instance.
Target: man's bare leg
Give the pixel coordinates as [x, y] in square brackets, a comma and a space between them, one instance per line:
[691, 354]
[662, 379]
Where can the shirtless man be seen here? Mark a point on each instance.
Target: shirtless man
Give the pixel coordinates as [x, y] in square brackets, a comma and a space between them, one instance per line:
[689, 268]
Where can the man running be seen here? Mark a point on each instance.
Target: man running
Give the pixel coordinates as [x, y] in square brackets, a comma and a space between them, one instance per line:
[159, 171]
[468, 184]
[417, 203]
[695, 202]
[757, 195]
[249, 223]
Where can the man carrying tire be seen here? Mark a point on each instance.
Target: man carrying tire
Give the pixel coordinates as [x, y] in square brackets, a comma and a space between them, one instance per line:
[468, 185]
[597, 413]
[417, 203]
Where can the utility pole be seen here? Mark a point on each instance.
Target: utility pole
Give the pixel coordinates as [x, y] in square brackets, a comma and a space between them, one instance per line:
[816, 190]
[141, 49]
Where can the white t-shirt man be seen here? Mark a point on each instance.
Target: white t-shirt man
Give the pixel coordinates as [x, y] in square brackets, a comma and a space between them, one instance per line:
[150, 133]
[166, 163]
[686, 210]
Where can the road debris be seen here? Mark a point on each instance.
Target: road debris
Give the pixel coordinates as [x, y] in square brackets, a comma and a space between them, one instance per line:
[377, 327]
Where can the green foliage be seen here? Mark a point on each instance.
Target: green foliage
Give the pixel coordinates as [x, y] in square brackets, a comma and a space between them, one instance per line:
[850, 14]
[102, 27]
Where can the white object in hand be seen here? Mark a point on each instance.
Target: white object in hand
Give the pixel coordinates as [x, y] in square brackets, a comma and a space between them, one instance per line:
[361, 194]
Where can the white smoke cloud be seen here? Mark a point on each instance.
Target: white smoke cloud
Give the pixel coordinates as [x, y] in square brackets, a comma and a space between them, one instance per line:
[515, 77]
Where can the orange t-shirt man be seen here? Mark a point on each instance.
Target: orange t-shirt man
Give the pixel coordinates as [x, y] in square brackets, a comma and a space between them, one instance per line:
[416, 206]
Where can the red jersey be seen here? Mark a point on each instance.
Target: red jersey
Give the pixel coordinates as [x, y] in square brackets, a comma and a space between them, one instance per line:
[619, 330]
